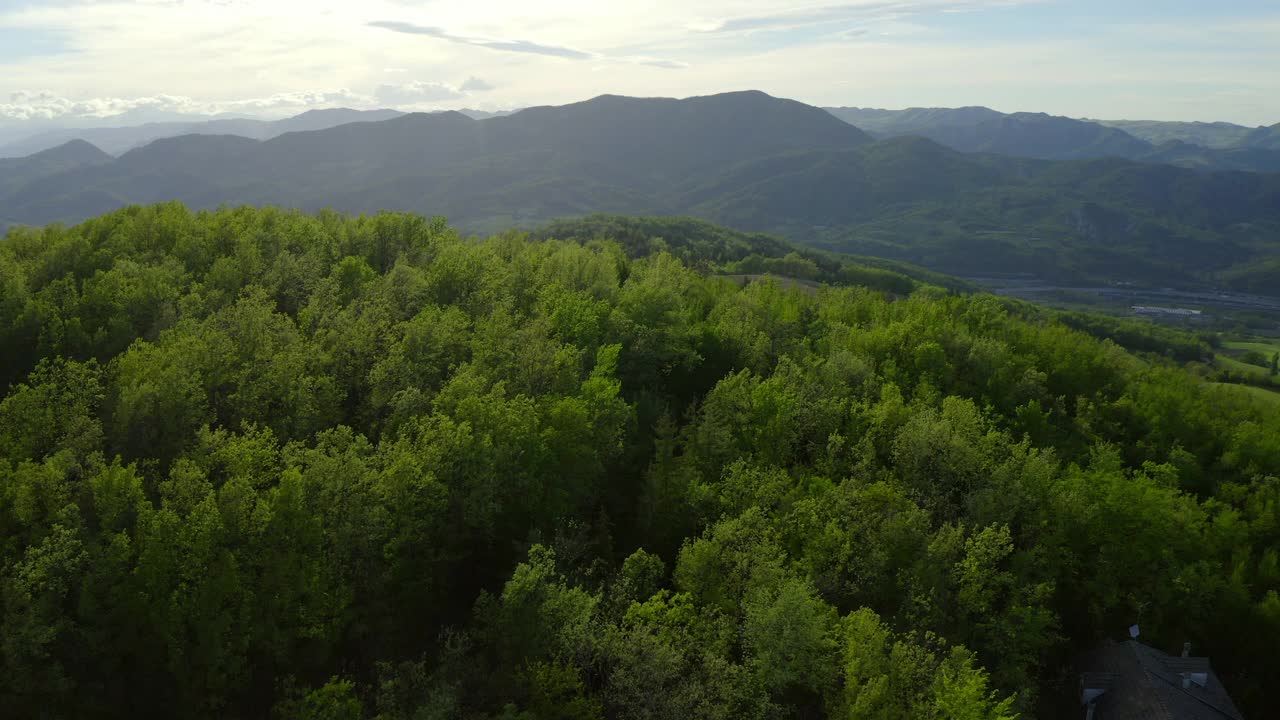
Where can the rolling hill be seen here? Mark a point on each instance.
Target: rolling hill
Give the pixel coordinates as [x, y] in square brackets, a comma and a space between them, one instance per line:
[16, 174]
[74, 155]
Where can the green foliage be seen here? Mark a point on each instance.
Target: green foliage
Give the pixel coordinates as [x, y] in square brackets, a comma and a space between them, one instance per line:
[1253, 357]
[961, 692]
[335, 700]
[259, 462]
[705, 246]
[1139, 337]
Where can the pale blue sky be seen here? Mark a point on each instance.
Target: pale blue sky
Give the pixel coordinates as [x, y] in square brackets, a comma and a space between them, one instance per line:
[1166, 59]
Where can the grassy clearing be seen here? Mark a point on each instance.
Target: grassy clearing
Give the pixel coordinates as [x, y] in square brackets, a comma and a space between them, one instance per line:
[1262, 346]
[1222, 362]
[1230, 358]
[1262, 394]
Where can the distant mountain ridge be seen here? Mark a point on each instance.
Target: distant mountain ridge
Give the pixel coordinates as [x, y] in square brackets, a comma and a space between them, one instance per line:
[117, 140]
[1266, 138]
[1215, 135]
[745, 160]
[75, 155]
[608, 147]
[913, 120]
[1217, 146]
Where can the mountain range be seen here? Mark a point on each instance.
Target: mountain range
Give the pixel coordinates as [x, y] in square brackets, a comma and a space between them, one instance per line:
[1207, 146]
[746, 160]
[1212, 146]
[121, 139]
[1218, 135]
[117, 140]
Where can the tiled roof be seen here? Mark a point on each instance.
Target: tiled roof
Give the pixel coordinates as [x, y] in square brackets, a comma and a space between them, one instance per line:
[1142, 683]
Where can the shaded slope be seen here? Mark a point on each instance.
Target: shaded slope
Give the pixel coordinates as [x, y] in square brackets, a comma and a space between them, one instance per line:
[18, 175]
[825, 189]
[1038, 135]
[15, 172]
[1201, 158]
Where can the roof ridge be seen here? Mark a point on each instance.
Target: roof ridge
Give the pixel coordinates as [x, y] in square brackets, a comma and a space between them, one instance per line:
[1154, 654]
[1178, 686]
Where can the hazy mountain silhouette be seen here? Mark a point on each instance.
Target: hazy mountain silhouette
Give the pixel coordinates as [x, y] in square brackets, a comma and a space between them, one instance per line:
[73, 155]
[883, 123]
[625, 146]
[1214, 135]
[1266, 138]
[1218, 146]
[979, 129]
[117, 140]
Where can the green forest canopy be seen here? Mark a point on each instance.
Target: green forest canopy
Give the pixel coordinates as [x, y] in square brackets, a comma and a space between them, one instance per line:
[256, 462]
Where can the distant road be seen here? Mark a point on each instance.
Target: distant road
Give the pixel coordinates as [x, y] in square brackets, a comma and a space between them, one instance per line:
[1219, 299]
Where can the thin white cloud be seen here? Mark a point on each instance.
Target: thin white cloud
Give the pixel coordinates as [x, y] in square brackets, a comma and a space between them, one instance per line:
[653, 62]
[29, 105]
[519, 46]
[786, 17]
[416, 92]
[26, 105]
[475, 84]
[289, 101]
[44, 105]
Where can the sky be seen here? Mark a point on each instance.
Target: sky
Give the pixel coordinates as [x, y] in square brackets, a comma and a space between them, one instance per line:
[64, 60]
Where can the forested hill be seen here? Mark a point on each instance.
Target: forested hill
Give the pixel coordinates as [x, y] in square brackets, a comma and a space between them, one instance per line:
[75, 155]
[258, 463]
[707, 247]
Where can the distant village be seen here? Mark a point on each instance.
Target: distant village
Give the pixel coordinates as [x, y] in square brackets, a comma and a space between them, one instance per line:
[1176, 315]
